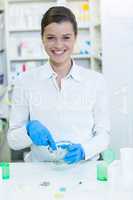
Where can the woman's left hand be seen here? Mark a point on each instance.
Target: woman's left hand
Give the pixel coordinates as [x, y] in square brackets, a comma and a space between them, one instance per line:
[75, 153]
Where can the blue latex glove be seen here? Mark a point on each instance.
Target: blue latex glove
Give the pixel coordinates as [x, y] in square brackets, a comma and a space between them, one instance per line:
[40, 135]
[75, 153]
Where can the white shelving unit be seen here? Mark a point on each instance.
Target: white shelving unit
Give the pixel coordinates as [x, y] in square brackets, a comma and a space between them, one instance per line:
[2, 49]
[1, 30]
[95, 33]
[24, 47]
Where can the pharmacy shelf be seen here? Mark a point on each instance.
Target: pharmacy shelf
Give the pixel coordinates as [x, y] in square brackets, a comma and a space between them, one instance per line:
[82, 56]
[25, 30]
[2, 50]
[86, 56]
[96, 25]
[38, 30]
[28, 59]
[84, 27]
[29, 1]
[1, 31]
[98, 57]
[95, 30]
[33, 1]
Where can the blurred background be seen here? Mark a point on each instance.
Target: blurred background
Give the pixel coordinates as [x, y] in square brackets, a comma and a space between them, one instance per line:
[104, 44]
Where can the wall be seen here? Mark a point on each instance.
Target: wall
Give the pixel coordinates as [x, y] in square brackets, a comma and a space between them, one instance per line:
[117, 37]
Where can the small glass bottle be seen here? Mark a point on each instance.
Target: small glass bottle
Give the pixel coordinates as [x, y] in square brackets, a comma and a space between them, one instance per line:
[0, 173]
[102, 168]
[5, 170]
[102, 171]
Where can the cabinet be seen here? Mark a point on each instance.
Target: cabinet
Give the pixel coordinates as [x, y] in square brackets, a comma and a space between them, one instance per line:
[24, 49]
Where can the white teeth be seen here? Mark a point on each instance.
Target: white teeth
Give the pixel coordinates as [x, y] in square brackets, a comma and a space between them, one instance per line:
[58, 52]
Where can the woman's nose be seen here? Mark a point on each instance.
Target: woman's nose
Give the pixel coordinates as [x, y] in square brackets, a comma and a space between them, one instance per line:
[58, 43]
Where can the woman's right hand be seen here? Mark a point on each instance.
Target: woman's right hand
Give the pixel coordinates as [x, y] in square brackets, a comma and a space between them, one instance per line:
[40, 135]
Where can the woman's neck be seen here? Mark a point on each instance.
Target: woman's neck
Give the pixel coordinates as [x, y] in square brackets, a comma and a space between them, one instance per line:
[61, 69]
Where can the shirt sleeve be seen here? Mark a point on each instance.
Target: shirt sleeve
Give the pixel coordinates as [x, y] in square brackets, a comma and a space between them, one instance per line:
[19, 115]
[101, 132]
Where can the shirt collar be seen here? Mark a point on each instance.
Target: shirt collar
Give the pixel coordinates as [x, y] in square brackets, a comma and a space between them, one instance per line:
[74, 72]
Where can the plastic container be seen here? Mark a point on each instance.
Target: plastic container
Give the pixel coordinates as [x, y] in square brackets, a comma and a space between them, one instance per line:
[114, 175]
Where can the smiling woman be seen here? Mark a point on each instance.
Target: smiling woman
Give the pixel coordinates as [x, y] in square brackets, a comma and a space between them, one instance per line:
[59, 31]
[71, 100]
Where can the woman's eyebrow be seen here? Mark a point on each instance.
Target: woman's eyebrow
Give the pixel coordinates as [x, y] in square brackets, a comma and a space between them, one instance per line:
[49, 34]
[65, 34]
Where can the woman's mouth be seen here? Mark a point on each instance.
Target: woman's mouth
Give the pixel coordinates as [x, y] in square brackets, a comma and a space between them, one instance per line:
[58, 52]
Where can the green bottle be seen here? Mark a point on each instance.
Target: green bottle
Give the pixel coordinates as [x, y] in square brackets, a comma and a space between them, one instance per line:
[102, 171]
[5, 170]
[102, 168]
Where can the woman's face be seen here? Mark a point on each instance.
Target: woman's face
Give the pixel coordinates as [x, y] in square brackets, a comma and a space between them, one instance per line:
[59, 40]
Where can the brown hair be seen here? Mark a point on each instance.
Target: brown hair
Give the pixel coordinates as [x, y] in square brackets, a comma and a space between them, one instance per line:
[58, 14]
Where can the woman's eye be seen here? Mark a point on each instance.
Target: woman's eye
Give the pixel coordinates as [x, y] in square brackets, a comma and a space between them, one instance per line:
[66, 38]
[50, 38]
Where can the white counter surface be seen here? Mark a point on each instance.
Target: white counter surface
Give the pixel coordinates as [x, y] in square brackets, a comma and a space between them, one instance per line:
[78, 180]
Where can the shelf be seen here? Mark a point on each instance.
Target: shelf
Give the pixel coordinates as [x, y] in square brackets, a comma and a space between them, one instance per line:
[28, 59]
[24, 30]
[98, 57]
[86, 56]
[84, 26]
[29, 1]
[39, 30]
[96, 24]
[34, 1]
[82, 56]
